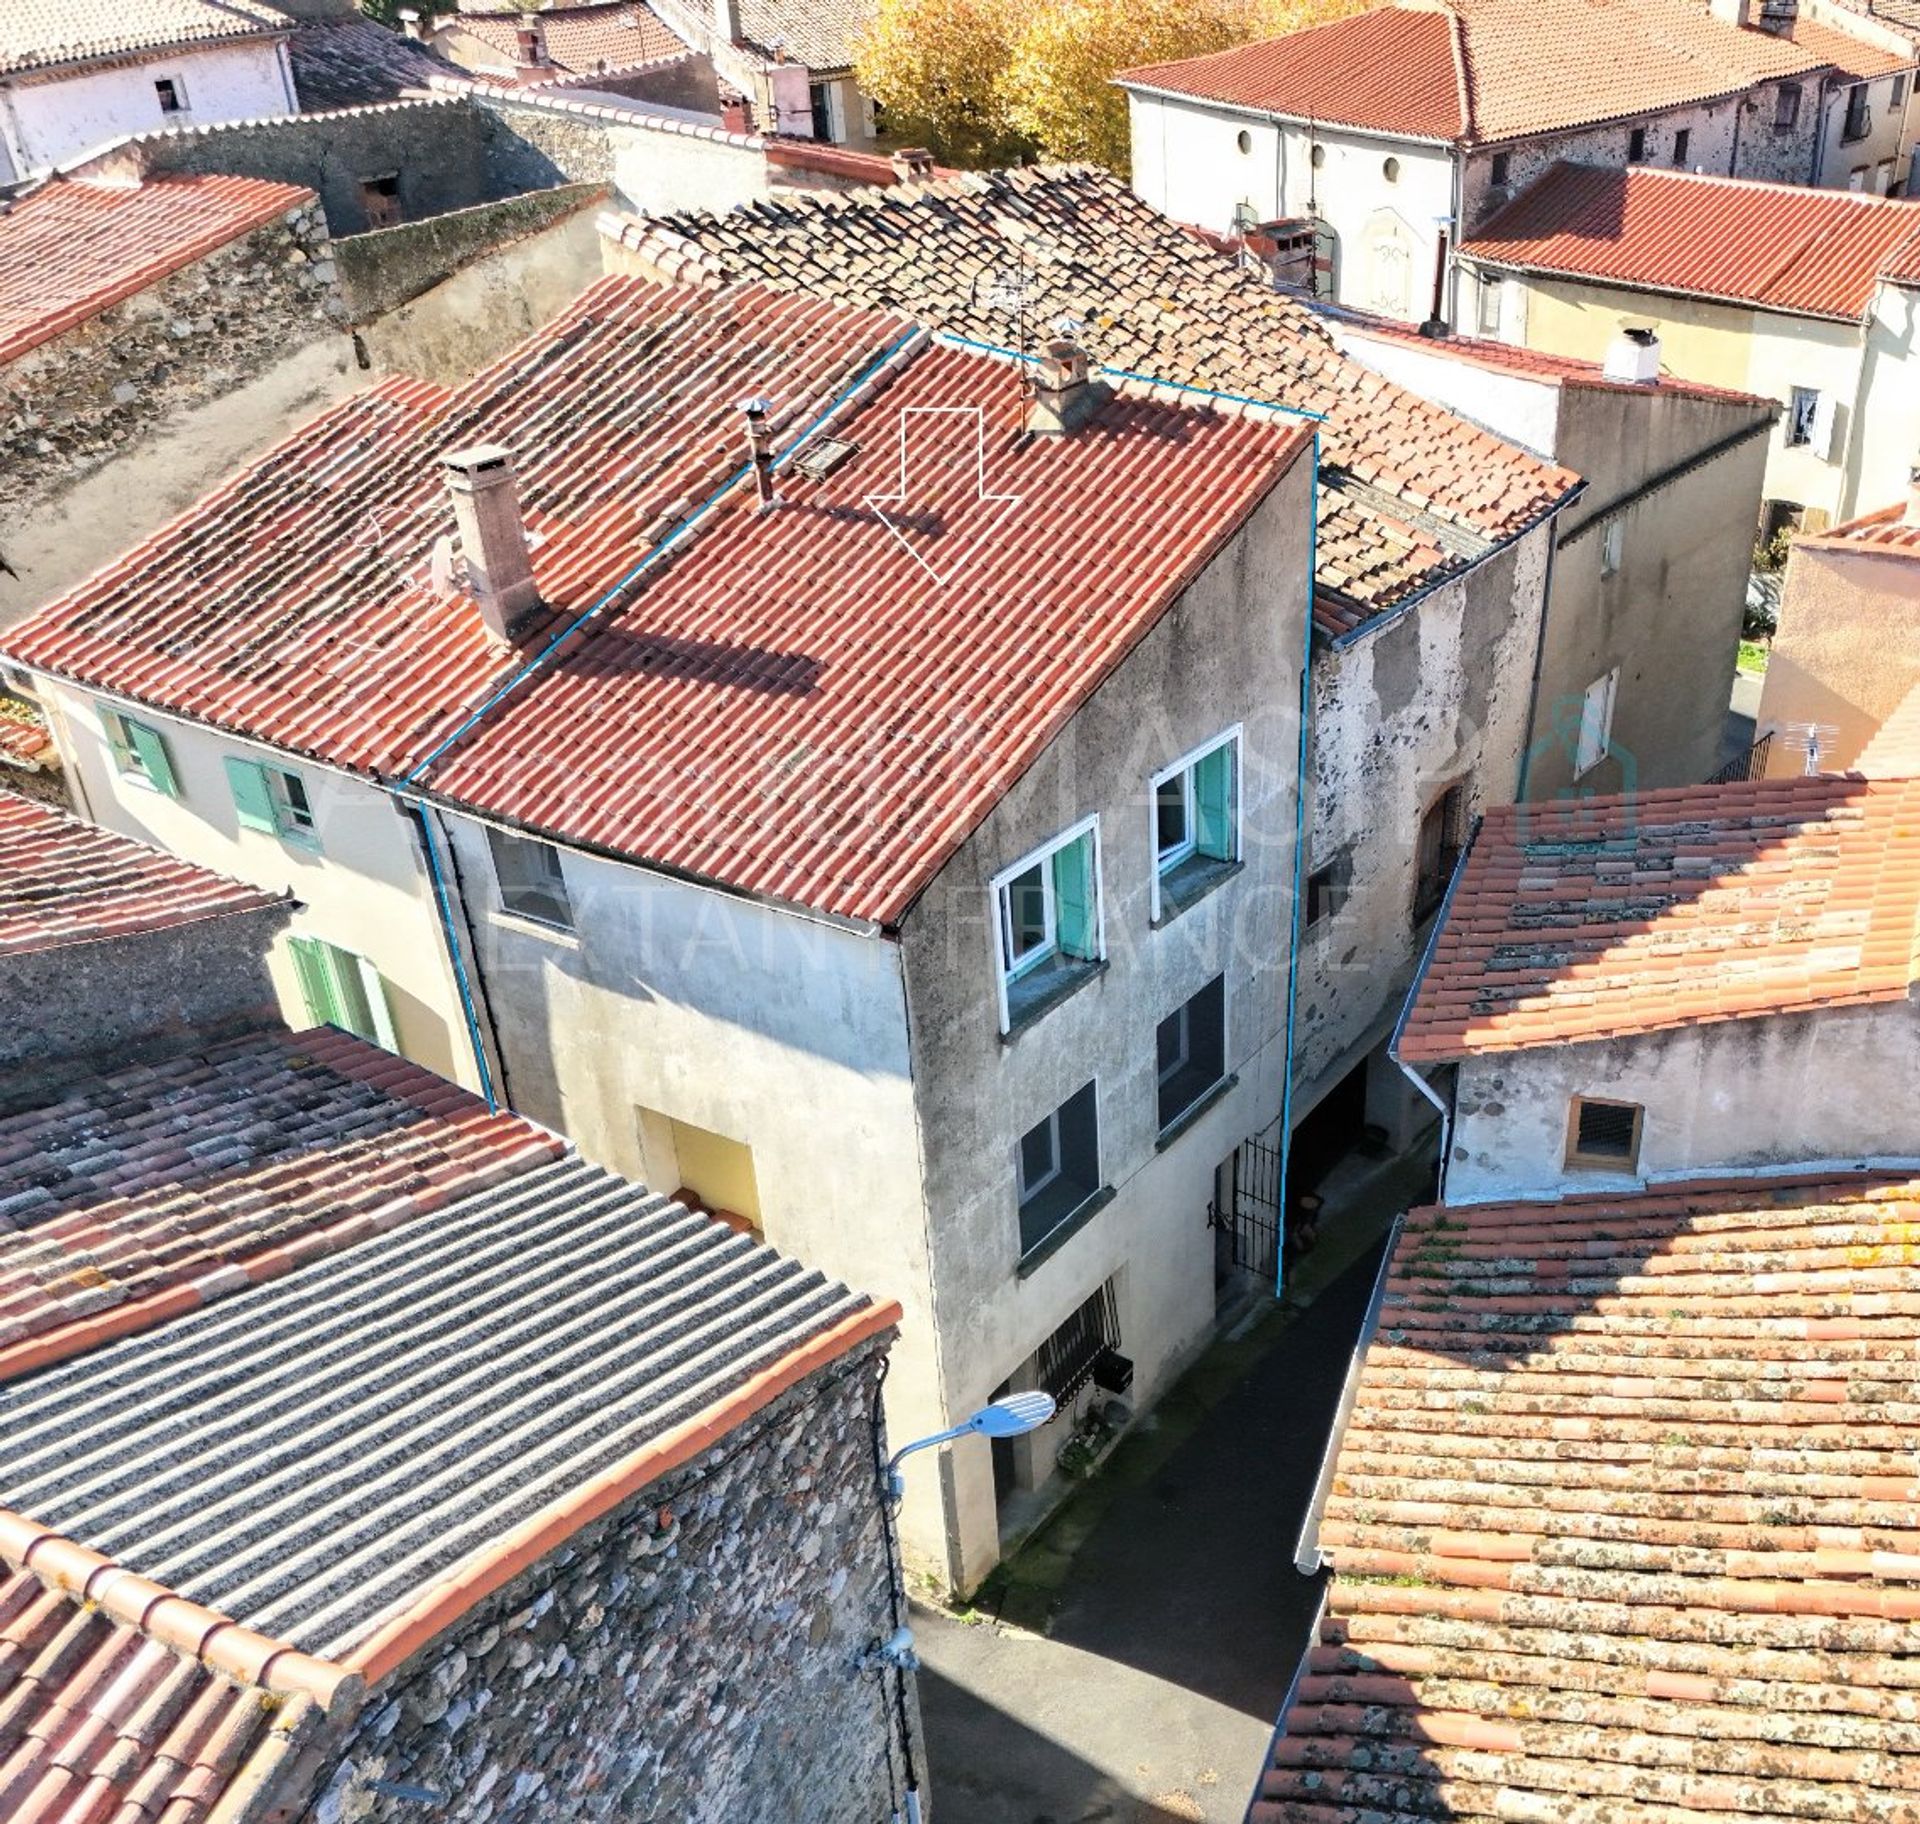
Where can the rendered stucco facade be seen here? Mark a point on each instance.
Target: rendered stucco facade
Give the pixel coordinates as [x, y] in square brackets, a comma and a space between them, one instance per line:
[1748, 1095]
[49, 119]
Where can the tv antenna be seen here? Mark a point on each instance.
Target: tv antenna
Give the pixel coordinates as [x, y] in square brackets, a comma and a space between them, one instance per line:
[1811, 740]
[1013, 291]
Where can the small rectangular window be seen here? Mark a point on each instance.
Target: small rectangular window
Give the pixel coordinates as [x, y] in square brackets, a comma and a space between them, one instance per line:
[1502, 164]
[1596, 722]
[1058, 1166]
[1066, 1361]
[1637, 146]
[1196, 821]
[171, 94]
[1786, 108]
[272, 799]
[1898, 98]
[380, 199]
[1859, 120]
[342, 989]
[532, 882]
[1604, 1136]
[140, 753]
[1487, 319]
[1803, 410]
[1190, 1051]
[1682, 141]
[1613, 545]
[1327, 891]
[1047, 927]
[1437, 849]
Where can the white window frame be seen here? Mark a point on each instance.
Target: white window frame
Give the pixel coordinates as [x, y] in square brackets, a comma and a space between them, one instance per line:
[1028, 1191]
[1165, 864]
[1613, 545]
[566, 886]
[999, 933]
[1183, 1015]
[1490, 305]
[1186, 1049]
[181, 104]
[1596, 729]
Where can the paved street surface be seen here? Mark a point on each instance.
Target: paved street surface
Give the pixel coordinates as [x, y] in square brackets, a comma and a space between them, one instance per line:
[1176, 1621]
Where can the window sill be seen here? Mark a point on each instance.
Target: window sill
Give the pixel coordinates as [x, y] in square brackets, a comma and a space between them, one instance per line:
[1190, 883]
[1064, 1230]
[1194, 1110]
[1039, 993]
[557, 935]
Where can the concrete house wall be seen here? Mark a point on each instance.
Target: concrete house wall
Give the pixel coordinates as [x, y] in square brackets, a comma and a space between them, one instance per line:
[1228, 653]
[366, 887]
[1884, 438]
[1430, 698]
[1874, 162]
[1189, 163]
[1732, 1094]
[46, 120]
[696, 1654]
[1847, 652]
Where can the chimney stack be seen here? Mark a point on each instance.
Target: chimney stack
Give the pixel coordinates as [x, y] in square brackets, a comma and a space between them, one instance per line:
[734, 115]
[1633, 356]
[410, 24]
[726, 20]
[760, 449]
[913, 165]
[492, 535]
[531, 37]
[1732, 12]
[1911, 514]
[1064, 398]
[1779, 17]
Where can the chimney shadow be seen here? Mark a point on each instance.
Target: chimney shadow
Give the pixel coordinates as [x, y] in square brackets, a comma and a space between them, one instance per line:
[637, 651]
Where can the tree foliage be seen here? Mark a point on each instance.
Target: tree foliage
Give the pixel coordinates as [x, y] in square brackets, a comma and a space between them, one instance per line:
[986, 81]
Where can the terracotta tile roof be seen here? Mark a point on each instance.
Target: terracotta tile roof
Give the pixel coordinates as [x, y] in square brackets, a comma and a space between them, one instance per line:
[1850, 55]
[1532, 363]
[1885, 533]
[36, 34]
[350, 63]
[69, 250]
[157, 1188]
[583, 38]
[296, 601]
[25, 739]
[1622, 1522]
[854, 698]
[439, 1383]
[123, 1704]
[1815, 252]
[1413, 494]
[1607, 916]
[64, 881]
[1482, 70]
[822, 34]
[1893, 752]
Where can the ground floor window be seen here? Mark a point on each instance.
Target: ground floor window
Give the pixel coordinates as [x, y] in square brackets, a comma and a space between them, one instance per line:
[1068, 1360]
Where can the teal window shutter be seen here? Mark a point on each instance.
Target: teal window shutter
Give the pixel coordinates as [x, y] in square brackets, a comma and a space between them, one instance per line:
[1213, 802]
[316, 980]
[1073, 890]
[151, 752]
[252, 797]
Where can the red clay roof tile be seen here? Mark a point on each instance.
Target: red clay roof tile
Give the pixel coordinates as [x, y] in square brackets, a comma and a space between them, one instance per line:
[1777, 246]
[582, 39]
[63, 881]
[69, 250]
[1611, 916]
[1621, 1520]
[36, 34]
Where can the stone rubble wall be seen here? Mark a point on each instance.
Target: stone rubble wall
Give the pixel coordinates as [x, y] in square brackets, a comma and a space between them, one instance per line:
[693, 1656]
[83, 398]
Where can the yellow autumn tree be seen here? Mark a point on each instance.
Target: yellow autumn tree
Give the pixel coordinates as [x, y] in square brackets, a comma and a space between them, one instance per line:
[937, 68]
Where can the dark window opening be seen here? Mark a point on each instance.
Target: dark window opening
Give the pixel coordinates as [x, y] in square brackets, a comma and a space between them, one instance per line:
[1191, 1050]
[532, 882]
[1682, 141]
[1637, 146]
[1859, 121]
[1605, 1134]
[1502, 164]
[822, 111]
[1441, 834]
[171, 97]
[1059, 1166]
[1327, 890]
[1786, 108]
[380, 198]
[1066, 1360]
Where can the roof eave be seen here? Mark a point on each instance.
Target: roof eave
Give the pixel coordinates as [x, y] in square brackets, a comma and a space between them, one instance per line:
[1281, 117]
[1528, 269]
[171, 47]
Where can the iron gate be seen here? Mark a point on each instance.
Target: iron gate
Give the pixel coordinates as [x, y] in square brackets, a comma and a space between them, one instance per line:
[1248, 1213]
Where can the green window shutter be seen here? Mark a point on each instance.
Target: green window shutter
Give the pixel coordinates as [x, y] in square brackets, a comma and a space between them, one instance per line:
[154, 761]
[251, 796]
[1073, 890]
[316, 980]
[1213, 802]
[374, 992]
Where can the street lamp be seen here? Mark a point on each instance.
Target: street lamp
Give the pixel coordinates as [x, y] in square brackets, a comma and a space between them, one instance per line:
[1011, 1417]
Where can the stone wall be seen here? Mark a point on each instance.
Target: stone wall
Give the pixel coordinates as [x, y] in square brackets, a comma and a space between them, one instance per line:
[74, 403]
[693, 1656]
[382, 270]
[110, 999]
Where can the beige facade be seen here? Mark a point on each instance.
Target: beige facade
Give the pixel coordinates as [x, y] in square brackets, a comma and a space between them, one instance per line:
[1846, 654]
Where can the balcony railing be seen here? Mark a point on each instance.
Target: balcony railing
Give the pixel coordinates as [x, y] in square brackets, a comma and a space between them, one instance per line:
[1750, 765]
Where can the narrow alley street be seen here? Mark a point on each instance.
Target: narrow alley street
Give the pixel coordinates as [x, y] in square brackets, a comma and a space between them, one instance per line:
[1147, 1644]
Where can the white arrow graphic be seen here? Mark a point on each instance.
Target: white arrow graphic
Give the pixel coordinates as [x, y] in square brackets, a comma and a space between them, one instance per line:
[879, 502]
